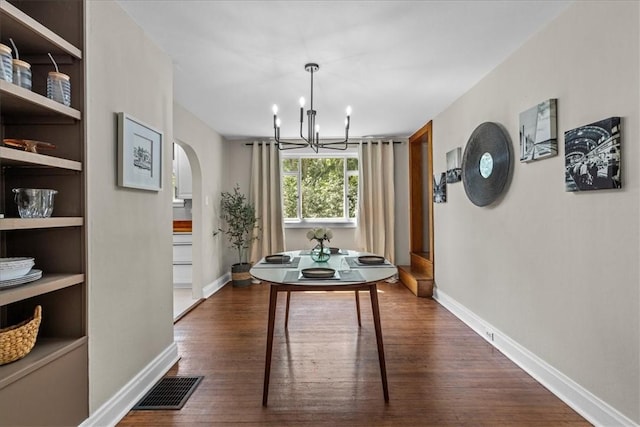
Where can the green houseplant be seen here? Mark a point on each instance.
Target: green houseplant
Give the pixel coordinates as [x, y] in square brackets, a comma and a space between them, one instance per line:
[240, 219]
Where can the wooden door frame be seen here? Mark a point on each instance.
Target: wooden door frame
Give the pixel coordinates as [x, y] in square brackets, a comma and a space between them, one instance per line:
[416, 191]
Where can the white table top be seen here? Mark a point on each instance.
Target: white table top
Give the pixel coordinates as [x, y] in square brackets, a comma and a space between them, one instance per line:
[275, 273]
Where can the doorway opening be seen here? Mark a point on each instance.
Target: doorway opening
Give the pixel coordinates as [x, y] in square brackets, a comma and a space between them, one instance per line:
[418, 277]
[186, 292]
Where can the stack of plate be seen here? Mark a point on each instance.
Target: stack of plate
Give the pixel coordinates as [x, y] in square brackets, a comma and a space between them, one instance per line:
[16, 271]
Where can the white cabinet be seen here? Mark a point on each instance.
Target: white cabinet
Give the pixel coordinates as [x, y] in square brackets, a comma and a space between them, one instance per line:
[183, 174]
[182, 259]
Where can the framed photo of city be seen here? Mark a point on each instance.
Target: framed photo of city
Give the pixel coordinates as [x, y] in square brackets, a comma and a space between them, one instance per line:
[454, 168]
[538, 132]
[440, 188]
[139, 154]
[593, 157]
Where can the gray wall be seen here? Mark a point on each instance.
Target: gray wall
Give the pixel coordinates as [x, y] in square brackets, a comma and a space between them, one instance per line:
[555, 271]
[129, 246]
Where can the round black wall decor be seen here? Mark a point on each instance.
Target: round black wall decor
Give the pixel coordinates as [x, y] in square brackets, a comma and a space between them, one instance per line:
[486, 164]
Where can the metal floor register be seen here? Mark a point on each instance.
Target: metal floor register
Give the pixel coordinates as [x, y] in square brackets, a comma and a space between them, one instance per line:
[169, 393]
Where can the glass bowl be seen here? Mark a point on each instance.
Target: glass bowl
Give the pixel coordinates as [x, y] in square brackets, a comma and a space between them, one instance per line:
[34, 202]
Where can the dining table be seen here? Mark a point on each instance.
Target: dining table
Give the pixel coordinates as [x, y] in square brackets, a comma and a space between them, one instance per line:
[296, 271]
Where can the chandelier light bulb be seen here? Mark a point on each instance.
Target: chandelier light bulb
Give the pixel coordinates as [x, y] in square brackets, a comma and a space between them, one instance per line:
[348, 110]
[275, 109]
[278, 122]
[301, 102]
[317, 128]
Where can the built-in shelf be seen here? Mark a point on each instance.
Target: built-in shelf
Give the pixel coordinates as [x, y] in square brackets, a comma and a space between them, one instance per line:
[18, 101]
[14, 157]
[33, 36]
[59, 359]
[32, 223]
[48, 283]
[44, 352]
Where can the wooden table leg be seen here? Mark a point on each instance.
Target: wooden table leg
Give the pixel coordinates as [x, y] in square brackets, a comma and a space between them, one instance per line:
[273, 301]
[286, 313]
[376, 321]
[358, 308]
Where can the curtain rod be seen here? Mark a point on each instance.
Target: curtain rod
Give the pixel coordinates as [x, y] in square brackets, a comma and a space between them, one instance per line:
[348, 143]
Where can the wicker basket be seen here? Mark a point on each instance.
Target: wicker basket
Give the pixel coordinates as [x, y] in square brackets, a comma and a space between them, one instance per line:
[18, 340]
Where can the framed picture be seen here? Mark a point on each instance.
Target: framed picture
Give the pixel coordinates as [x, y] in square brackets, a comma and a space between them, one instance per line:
[592, 156]
[139, 154]
[454, 167]
[538, 132]
[440, 188]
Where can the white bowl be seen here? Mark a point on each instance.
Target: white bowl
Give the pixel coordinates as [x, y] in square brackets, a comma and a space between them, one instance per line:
[12, 268]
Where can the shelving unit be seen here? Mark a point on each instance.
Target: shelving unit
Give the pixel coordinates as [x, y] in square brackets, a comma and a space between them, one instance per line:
[49, 386]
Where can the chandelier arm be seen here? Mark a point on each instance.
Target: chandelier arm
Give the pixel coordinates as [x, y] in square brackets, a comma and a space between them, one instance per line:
[289, 145]
[301, 136]
[332, 145]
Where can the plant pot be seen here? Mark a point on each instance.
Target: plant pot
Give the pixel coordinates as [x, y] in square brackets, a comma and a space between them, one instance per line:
[240, 274]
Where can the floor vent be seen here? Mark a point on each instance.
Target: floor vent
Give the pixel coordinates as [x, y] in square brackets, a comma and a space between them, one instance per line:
[169, 393]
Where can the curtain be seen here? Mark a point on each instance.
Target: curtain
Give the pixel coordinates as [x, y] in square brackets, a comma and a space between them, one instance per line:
[375, 232]
[264, 193]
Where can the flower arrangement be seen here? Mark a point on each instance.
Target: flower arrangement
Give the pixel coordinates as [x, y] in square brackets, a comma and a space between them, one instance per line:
[320, 234]
[320, 253]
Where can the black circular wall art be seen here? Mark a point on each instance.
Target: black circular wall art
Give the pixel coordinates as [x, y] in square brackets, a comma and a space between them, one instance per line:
[486, 164]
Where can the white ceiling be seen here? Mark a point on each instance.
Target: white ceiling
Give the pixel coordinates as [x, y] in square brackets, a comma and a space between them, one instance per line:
[397, 63]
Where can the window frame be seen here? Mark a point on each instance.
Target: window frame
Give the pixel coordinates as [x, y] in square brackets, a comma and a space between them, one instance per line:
[299, 222]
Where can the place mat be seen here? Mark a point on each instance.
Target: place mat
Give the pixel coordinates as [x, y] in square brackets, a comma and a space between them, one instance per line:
[291, 264]
[340, 252]
[295, 276]
[31, 276]
[354, 263]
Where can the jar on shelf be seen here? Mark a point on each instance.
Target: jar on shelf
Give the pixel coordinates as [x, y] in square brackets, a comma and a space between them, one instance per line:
[59, 88]
[22, 74]
[6, 67]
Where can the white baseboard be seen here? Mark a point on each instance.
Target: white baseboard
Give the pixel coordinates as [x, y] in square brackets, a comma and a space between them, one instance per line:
[182, 285]
[577, 397]
[112, 411]
[121, 403]
[215, 286]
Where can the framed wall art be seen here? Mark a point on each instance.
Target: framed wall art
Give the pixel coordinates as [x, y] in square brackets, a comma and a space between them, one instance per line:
[538, 132]
[440, 188]
[139, 154]
[592, 156]
[454, 165]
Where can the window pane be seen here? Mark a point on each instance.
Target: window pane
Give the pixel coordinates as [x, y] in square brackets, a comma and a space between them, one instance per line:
[289, 165]
[352, 195]
[352, 164]
[322, 188]
[290, 196]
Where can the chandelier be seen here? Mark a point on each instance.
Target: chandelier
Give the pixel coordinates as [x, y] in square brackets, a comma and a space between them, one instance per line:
[313, 130]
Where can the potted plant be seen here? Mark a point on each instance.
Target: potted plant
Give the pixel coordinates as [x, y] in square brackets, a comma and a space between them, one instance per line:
[240, 218]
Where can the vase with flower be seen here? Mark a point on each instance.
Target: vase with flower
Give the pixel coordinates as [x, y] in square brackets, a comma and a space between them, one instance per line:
[320, 253]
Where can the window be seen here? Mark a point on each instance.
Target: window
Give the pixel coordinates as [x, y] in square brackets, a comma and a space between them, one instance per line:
[319, 188]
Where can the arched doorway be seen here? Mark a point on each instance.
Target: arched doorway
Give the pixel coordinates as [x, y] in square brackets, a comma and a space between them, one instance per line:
[187, 241]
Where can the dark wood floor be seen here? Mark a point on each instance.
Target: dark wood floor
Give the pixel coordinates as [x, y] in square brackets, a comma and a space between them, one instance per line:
[325, 369]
